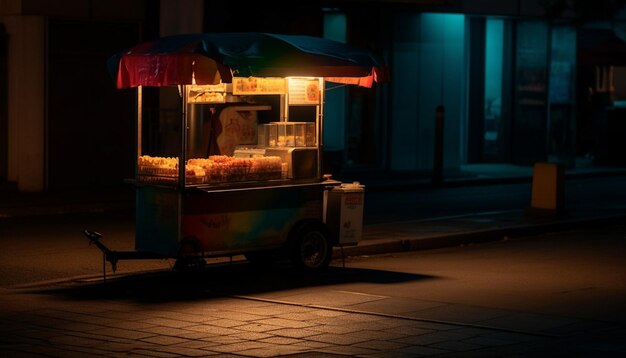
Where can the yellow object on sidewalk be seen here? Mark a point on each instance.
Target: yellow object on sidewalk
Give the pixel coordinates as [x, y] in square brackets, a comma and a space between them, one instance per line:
[548, 192]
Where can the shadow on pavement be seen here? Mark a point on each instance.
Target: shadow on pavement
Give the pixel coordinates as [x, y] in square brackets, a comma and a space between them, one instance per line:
[217, 281]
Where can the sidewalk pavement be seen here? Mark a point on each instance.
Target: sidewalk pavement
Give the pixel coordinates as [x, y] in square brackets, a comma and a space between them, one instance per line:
[485, 226]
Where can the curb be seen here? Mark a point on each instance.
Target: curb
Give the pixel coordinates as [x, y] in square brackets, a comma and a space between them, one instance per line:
[376, 247]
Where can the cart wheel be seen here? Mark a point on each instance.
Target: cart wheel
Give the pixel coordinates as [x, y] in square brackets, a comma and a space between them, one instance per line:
[312, 249]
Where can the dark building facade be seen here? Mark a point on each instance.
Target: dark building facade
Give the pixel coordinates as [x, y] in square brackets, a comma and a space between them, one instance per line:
[520, 81]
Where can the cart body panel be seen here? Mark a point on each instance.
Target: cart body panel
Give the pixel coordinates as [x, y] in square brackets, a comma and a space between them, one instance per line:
[217, 222]
[157, 218]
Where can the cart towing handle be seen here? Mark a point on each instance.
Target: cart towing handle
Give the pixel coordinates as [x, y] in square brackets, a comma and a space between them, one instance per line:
[107, 255]
[94, 238]
[114, 256]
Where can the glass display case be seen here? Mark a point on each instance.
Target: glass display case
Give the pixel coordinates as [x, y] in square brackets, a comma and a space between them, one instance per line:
[233, 137]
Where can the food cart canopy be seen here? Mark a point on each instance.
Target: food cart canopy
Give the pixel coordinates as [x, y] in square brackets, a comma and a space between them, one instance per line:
[211, 58]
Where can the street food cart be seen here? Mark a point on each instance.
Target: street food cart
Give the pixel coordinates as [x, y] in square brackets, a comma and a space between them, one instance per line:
[246, 174]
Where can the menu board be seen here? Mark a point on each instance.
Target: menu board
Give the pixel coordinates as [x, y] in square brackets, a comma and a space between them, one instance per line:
[208, 93]
[258, 85]
[304, 91]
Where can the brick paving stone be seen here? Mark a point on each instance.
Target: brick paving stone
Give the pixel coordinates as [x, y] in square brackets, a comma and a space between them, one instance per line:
[221, 322]
[374, 325]
[199, 344]
[102, 321]
[80, 327]
[386, 335]
[311, 315]
[168, 331]
[295, 333]
[238, 347]
[408, 332]
[207, 328]
[251, 336]
[286, 323]
[87, 335]
[435, 337]
[337, 297]
[272, 309]
[76, 341]
[312, 345]
[435, 326]
[391, 322]
[327, 320]
[222, 339]
[348, 350]
[330, 313]
[258, 327]
[132, 325]
[105, 306]
[120, 316]
[280, 340]
[238, 316]
[117, 347]
[156, 354]
[91, 352]
[272, 351]
[529, 322]
[380, 345]
[193, 335]
[347, 319]
[358, 317]
[178, 332]
[396, 305]
[336, 329]
[461, 313]
[388, 354]
[180, 316]
[343, 339]
[167, 322]
[199, 310]
[263, 311]
[122, 333]
[297, 316]
[164, 340]
[185, 352]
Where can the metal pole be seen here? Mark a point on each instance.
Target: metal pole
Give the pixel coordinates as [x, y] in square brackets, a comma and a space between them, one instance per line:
[183, 140]
[104, 267]
[319, 128]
